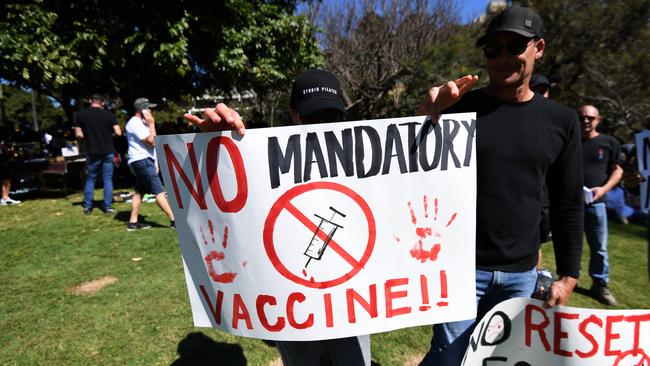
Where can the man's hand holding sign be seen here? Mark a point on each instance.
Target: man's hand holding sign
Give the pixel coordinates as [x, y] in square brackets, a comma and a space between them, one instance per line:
[219, 118]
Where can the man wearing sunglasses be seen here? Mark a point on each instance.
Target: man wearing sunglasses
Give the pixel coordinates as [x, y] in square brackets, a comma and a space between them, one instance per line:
[602, 173]
[523, 141]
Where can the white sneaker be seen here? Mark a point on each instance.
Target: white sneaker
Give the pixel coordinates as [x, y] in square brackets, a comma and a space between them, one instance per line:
[9, 202]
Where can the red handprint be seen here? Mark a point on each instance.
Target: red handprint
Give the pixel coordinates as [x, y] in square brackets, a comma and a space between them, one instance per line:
[429, 228]
[216, 256]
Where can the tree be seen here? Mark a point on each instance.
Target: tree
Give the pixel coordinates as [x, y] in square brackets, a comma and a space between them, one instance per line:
[598, 52]
[71, 49]
[17, 103]
[379, 51]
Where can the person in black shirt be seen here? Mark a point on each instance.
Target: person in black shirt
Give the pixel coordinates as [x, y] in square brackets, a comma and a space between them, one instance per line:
[97, 126]
[522, 141]
[601, 173]
[542, 86]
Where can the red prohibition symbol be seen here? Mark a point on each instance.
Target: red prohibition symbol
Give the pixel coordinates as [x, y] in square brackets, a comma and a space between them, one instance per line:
[284, 203]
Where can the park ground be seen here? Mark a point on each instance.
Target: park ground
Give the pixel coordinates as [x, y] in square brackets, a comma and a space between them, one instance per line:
[81, 290]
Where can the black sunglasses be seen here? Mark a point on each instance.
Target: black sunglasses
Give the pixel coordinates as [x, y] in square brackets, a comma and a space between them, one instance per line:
[588, 118]
[515, 47]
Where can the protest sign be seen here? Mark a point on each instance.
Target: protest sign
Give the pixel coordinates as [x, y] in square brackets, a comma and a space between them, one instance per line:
[523, 332]
[326, 231]
[642, 140]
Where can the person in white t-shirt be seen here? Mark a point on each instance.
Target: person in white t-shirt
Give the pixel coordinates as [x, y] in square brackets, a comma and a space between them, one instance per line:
[140, 134]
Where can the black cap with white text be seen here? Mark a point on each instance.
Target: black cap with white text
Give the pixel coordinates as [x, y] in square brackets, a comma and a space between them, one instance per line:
[314, 90]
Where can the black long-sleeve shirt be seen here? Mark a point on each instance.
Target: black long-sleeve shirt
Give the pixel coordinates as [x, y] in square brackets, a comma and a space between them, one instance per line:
[519, 147]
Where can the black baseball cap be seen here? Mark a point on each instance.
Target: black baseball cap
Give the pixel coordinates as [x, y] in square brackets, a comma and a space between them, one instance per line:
[314, 90]
[539, 79]
[97, 97]
[516, 19]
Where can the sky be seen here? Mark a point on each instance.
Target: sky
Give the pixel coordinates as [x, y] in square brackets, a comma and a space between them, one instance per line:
[471, 9]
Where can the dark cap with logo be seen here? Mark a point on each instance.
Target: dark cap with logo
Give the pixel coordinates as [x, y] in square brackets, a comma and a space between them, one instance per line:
[517, 19]
[143, 103]
[314, 90]
[97, 97]
[539, 79]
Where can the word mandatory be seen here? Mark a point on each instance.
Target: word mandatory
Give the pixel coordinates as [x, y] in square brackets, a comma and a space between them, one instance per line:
[429, 147]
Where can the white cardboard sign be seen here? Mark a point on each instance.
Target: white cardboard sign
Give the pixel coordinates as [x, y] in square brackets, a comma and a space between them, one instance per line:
[523, 332]
[325, 231]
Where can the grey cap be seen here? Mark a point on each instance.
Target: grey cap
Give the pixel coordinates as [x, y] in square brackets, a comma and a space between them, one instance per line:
[143, 103]
[516, 19]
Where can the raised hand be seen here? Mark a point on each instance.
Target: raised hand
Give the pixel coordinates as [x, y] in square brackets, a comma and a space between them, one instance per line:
[219, 118]
[442, 97]
[148, 117]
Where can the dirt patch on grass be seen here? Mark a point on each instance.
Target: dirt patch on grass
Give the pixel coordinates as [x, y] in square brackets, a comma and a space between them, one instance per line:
[413, 360]
[276, 362]
[91, 287]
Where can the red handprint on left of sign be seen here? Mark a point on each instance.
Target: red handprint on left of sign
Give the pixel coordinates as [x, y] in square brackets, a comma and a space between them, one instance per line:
[215, 256]
[428, 227]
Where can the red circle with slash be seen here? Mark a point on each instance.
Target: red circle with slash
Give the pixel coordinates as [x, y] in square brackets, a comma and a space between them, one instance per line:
[284, 202]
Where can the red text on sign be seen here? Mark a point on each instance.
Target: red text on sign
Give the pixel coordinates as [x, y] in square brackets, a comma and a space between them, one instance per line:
[299, 312]
[539, 327]
[211, 166]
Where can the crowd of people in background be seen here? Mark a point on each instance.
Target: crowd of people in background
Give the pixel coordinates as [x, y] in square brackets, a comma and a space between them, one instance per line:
[578, 169]
[95, 136]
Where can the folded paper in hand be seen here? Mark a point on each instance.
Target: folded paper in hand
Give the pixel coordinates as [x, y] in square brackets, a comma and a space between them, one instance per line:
[589, 195]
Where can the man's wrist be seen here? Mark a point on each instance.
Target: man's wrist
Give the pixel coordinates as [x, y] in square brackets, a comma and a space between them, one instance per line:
[568, 279]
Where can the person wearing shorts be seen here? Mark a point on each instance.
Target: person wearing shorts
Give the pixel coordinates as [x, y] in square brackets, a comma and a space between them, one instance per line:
[140, 134]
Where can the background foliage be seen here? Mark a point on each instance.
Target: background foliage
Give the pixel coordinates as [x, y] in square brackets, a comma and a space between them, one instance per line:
[71, 49]
[386, 52]
[389, 52]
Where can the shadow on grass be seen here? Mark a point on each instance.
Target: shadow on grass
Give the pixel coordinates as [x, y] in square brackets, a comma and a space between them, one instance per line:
[34, 194]
[197, 349]
[583, 291]
[96, 204]
[124, 216]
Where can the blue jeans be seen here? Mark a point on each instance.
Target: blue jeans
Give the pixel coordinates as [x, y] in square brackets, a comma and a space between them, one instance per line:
[596, 233]
[93, 163]
[349, 351]
[450, 340]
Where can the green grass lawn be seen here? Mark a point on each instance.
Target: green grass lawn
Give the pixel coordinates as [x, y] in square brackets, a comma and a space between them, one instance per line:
[49, 247]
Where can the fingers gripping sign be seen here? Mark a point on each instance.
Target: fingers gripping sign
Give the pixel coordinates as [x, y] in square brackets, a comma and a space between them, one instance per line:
[428, 230]
[219, 118]
[214, 256]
